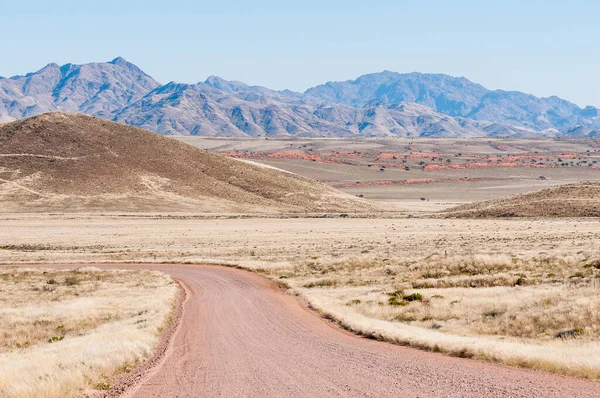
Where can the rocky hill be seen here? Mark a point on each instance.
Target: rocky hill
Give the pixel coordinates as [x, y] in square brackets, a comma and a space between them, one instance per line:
[375, 105]
[70, 162]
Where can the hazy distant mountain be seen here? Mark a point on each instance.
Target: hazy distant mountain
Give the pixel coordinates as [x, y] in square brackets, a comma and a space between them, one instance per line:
[234, 87]
[98, 89]
[458, 97]
[201, 108]
[381, 104]
[582, 131]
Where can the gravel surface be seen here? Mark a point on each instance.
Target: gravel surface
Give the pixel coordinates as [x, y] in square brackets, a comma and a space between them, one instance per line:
[240, 336]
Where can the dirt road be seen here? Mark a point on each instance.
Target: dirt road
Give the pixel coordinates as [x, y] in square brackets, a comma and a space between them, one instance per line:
[241, 337]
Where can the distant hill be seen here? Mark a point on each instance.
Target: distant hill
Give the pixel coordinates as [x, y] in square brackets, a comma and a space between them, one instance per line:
[374, 105]
[71, 162]
[572, 200]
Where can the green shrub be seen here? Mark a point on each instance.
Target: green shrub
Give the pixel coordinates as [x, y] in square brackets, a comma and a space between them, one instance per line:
[571, 333]
[413, 297]
[594, 264]
[396, 301]
[404, 318]
[396, 298]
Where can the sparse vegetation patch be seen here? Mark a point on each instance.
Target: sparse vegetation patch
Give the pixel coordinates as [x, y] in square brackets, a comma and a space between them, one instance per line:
[63, 331]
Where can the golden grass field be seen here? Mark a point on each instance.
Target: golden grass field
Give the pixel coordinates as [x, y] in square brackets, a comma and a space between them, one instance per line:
[69, 332]
[500, 290]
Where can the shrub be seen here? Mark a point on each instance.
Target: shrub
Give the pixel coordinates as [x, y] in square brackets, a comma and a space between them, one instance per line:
[570, 333]
[396, 301]
[321, 283]
[71, 281]
[283, 285]
[413, 297]
[55, 339]
[595, 264]
[404, 318]
[396, 298]
[493, 313]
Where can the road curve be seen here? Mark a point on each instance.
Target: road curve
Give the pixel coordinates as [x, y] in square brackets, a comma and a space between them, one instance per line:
[241, 337]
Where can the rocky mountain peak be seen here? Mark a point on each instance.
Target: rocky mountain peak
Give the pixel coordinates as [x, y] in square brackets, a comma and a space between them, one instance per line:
[377, 104]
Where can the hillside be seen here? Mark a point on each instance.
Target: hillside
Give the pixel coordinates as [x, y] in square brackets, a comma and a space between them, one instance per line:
[374, 105]
[572, 200]
[70, 162]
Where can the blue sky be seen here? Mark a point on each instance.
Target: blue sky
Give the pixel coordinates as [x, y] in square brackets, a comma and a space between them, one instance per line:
[541, 47]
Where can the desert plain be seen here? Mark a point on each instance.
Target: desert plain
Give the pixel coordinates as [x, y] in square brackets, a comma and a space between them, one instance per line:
[521, 291]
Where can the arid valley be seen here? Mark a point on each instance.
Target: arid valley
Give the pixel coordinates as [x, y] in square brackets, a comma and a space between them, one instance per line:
[473, 253]
[314, 199]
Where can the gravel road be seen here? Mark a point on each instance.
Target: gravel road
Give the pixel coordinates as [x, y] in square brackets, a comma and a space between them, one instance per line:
[241, 336]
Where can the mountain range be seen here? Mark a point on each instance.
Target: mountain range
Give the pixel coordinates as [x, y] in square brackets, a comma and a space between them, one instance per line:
[374, 105]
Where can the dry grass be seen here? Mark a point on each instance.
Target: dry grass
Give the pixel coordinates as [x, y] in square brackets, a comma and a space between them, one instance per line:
[500, 295]
[572, 200]
[493, 289]
[66, 332]
[567, 356]
[540, 312]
